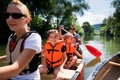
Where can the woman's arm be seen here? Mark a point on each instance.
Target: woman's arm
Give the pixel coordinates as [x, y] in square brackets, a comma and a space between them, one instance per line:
[7, 72]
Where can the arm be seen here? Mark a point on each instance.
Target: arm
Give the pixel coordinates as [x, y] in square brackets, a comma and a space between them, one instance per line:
[60, 32]
[13, 70]
[78, 54]
[65, 59]
[45, 69]
[64, 55]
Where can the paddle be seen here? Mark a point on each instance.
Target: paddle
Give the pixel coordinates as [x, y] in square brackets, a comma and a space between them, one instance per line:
[90, 48]
[114, 63]
[93, 50]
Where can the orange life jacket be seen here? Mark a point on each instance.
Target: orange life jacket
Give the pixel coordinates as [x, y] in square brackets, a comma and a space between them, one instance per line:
[54, 54]
[70, 50]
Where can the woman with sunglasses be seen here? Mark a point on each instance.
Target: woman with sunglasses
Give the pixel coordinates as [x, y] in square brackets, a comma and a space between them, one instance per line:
[23, 45]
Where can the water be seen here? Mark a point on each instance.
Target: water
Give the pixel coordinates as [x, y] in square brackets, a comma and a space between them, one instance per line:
[108, 46]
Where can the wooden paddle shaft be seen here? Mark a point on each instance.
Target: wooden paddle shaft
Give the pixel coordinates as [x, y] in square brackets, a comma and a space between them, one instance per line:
[114, 63]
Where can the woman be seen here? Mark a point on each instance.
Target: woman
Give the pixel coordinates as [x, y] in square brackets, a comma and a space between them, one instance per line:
[23, 45]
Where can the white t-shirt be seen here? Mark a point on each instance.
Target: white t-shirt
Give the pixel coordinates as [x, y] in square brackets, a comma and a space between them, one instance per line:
[32, 42]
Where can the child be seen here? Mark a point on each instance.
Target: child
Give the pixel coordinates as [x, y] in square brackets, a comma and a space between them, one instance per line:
[54, 55]
[71, 50]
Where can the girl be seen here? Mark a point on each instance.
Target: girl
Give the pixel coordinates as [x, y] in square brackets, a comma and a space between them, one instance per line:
[55, 55]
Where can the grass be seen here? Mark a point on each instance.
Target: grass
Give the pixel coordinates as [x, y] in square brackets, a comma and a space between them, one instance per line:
[2, 52]
[2, 49]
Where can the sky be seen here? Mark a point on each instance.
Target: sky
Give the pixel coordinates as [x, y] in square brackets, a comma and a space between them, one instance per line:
[99, 10]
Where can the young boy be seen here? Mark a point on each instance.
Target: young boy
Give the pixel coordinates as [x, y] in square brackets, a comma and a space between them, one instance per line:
[71, 50]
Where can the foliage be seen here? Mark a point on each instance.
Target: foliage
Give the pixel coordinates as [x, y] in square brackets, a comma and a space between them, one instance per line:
[112, 24]
[88, 29]
[4, 30]
[47, 14]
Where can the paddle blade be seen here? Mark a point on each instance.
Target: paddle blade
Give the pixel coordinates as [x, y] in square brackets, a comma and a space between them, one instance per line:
[93, 50]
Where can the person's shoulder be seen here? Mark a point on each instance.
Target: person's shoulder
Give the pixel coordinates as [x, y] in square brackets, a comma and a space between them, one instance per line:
[35, 34]
[61, 41]
[34, 37]
[77, 35]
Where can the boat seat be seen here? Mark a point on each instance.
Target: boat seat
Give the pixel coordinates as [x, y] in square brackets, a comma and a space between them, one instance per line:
[67, 74]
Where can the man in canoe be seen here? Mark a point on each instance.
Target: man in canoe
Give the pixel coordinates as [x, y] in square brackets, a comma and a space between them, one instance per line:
[72, 30]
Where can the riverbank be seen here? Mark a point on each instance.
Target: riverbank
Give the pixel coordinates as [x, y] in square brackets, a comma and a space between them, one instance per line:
[2, 50]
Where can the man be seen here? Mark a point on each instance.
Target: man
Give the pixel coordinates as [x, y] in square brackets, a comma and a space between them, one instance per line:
[72, 30]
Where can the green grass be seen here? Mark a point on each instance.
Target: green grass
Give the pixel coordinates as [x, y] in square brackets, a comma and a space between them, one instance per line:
[2, 52]
[2, 49]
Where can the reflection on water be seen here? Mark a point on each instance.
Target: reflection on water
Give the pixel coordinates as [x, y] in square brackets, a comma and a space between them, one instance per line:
[108, 46]
[93, 62]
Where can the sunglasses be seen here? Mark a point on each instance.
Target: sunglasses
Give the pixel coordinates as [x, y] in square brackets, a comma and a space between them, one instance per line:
[72, 28]
[14, 15]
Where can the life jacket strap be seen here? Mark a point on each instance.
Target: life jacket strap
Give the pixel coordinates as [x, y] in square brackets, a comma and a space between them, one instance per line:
[54, 61]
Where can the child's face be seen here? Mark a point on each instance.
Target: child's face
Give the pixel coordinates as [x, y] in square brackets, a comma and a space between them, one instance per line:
[73, 39]
[68, 39]
[53, 37]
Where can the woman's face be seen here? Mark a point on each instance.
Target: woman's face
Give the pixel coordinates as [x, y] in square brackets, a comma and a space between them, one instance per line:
[15, 17]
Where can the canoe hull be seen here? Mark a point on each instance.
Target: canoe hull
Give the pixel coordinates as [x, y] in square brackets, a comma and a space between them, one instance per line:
[106, 71]
[79, 73]
[69, 74]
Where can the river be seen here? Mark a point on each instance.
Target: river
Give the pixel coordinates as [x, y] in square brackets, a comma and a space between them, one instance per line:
[108, 46]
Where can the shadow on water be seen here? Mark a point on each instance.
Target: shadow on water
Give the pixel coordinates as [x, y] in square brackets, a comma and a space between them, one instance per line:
[107, 45]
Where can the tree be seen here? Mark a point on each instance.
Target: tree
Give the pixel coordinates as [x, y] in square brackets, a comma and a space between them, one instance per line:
[87, 28]
[4, 30]
[48, 12]
[58, 10]
[112, 23]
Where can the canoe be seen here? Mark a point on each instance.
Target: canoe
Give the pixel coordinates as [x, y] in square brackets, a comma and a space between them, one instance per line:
[69, 74]
[107, 70]
[76, 73]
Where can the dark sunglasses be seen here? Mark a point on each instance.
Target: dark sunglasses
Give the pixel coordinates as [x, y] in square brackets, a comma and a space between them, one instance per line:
[14, 15]
[72, 28]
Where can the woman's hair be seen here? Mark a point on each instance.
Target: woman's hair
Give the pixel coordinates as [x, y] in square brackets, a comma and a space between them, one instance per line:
[19, 3]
